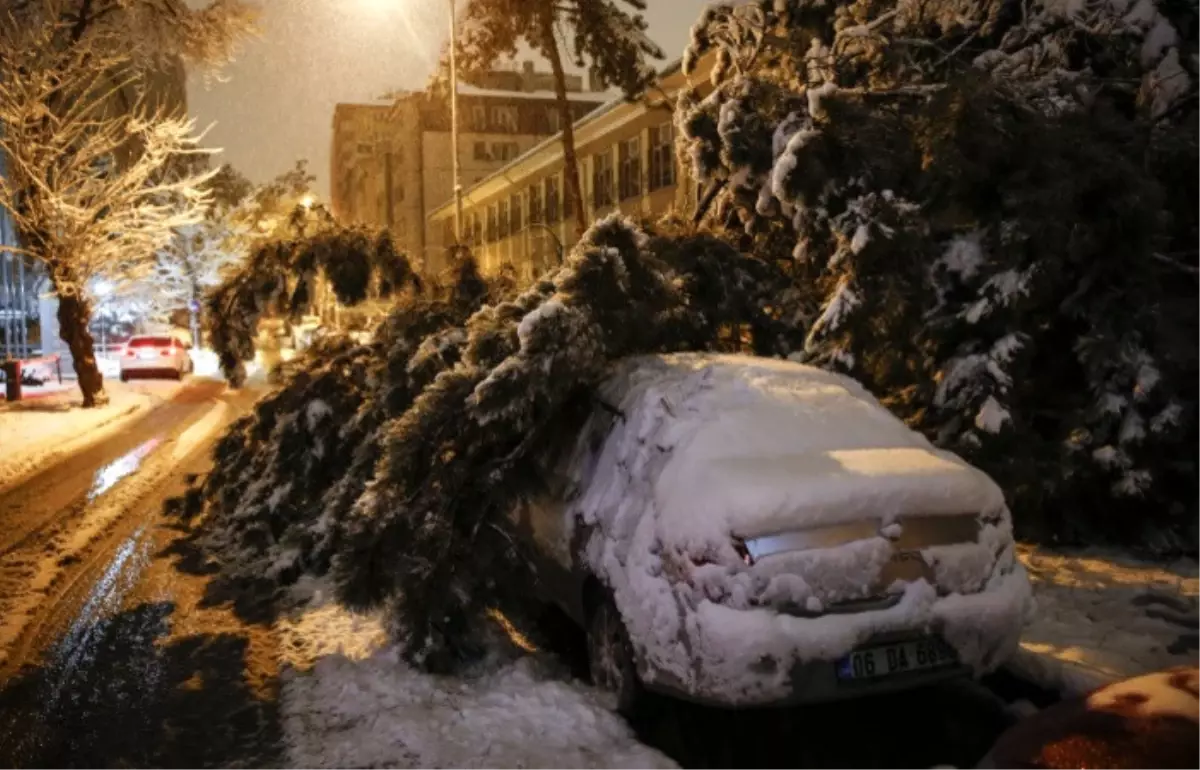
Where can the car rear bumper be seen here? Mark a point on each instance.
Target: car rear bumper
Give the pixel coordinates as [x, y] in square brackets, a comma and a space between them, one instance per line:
[152, 367]
[759, 657]
[810, 682]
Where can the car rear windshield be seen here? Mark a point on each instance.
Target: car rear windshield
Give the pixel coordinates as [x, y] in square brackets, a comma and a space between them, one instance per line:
[151, 342]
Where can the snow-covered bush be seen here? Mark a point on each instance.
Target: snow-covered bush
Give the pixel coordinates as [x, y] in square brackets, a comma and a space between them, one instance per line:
[986, 205]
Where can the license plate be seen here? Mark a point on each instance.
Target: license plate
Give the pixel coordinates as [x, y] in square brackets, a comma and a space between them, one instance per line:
[147, 356]
[889, 659]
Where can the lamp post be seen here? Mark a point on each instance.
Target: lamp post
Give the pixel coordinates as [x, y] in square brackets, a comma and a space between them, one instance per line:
[103, 289]
[458, 198]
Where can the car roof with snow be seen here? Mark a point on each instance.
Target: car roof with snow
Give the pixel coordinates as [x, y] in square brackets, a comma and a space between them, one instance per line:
[748, 444]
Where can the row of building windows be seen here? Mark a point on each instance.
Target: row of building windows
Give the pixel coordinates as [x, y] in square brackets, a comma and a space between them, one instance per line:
[546, 201]
[507, 118]
[502, 151]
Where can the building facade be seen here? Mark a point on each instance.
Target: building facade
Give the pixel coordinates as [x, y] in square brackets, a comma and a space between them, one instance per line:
[518, 215]
[392, 160]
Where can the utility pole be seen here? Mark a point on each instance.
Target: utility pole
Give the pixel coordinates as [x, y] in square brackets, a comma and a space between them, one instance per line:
[458, 199]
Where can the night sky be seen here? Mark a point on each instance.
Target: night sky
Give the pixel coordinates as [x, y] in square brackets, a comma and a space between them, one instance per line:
[276, 102]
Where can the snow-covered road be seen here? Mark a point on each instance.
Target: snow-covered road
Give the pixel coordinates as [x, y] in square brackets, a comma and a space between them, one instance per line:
[37, 433]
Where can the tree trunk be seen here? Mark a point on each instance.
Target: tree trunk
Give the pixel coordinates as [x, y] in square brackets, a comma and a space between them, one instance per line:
[73, 317]
[571, 184]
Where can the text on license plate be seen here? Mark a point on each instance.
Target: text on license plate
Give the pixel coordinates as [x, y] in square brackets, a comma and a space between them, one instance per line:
[889, 659]
[146, 356]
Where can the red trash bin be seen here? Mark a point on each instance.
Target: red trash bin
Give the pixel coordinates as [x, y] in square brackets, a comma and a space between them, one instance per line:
[12, 380]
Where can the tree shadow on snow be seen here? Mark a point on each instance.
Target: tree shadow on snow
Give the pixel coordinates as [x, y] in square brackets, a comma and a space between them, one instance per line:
[120, 696]
[251, 600]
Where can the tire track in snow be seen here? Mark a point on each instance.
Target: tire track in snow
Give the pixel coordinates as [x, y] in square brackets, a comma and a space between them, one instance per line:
[44, 568]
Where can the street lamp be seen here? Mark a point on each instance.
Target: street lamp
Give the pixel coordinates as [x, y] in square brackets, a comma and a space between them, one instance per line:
[102, 290]
[458, 191]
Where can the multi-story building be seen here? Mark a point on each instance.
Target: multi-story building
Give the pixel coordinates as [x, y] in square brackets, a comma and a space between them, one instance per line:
[391, 161]
[519, 215]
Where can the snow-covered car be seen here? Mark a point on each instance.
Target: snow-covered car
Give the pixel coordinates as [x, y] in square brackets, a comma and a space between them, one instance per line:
[155, 355]
[746, 531]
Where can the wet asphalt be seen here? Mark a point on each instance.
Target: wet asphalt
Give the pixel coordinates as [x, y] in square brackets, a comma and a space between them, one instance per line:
[129, 661]
[139, 657]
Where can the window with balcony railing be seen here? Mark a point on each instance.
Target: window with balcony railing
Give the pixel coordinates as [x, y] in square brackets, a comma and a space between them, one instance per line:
[602, 180]
[503, 217]
[514, 208]
[490, 234]
[662, 156]
[535, 203]
[503, 117]
[629, 180]
[552, 201]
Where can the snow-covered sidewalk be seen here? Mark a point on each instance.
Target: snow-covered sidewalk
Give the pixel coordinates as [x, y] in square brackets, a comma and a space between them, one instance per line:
[1102, 616]
[349, 701]
[38, 432]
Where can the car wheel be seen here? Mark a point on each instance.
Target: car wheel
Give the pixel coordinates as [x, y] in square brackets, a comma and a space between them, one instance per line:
[124, 377]
[610, 658]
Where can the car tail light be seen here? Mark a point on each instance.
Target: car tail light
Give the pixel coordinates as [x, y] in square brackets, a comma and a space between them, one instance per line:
[128, 351]
[739, 545]
[166, 352]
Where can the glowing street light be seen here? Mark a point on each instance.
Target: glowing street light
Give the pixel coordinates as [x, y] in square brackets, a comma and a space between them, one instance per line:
[307, 201]
[103, 289]
[458, 191]
[377, 5]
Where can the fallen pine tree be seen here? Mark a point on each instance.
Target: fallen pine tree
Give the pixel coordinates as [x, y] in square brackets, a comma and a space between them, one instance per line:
[391, 463]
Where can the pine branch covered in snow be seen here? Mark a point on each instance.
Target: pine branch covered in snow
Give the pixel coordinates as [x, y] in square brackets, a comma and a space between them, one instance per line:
[281, 279]
[284, 475]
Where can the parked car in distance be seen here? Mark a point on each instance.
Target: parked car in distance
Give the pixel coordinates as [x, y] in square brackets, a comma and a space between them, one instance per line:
[744, 531]
[155, 355]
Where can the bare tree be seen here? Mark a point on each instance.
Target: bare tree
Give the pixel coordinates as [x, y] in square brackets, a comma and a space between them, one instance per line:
[88, 144]
[85, 183]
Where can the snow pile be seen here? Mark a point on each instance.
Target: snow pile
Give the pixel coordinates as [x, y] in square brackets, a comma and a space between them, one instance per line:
[350, 701]
[706, 448]
[39, 432]
[109, 365]
[205, 363]
[1102, 616]
[380, 712]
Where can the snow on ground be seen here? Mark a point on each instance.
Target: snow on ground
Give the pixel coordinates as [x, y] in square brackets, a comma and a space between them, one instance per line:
[1102, 617]
[349, 701]
[38, 432]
